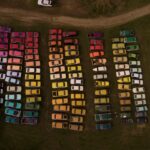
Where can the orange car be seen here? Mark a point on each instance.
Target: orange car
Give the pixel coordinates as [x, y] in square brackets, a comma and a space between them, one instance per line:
[60, 125]
[55, 63]
[62, 108]
[57, 69]
[32, 64]
[55, 56]
[55, 43]
[56, 49]
[59, 116]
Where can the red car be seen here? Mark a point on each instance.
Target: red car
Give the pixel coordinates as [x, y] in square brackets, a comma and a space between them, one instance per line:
[18, 34]
[32, 34]
[69, 34]
[71, 41]
[31, 51]
[4, 46]
[15, 53]
[97, 47]
[17, 40]
[96, 35]
[55, 43]
[55, 31]
[31, 57]
[31, 39]
[96, 54]
[14, 61]
[3, 40]
[96, 42]
[2, 34]
[55, 37]
[32, 45]
[17, 46]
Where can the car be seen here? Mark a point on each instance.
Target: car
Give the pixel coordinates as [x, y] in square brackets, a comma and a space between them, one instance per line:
[96, 54]
[134, 47]
[138, 90]
[58, 69]
[56, 63]
[97, 47]
[5, 29]
[58, 76]
[71, 53]
[56, 49]
[71, 47]
[71, 41]
[78, 111]
[99, 61]
[103, 108]
[62, 108]
[74, 68]
[131, 39]
[75, 75]
[29, 113]
[59, 101]
[32, 91]
[32, 84]
[124, 87]
[134, 63]
[140, 102]
[18, 34]
[15, 61]
[55, 31]
[3, 53]
[122, 73]
[141, 108]
[14, 68]
[13, 89]
[100, 69]
[137, 75]
[2, 76]
[12, 80]
[117, 40]
[31, 39]
[32, 70]
[3, 67]
[75, 61]
[96, 42]
[31, 51]
[125, 101]
[33, 99]
[32, 34]
[100, 76]
[32, 106]
[125, 115]
[17, 40]
[120, 59]
[103, 126]
[139, 96]
[11, 119]
[31, 57]
[118, 46]
[55, 56]
[59, 116]
[125, 109]
[119, 52]
[133, 56]
[31, 76]
[69, 34]
[137, 82]
[126, 33]
[76, 81]
[124, 80]
[14, 105]
[77, 96]
[12, 112]
[102, 100]
[122, 66]
[14, 74]
[16, 53]
[4, 47]
[60, 93]
[61, 84]
[77, 88]
[136, 70]
[32, 63]
[13, 97]
[55, 37]
[103, 117]
[76, 127]
[31, 45]
[124, 95]
[60, 125]
[76, 119]
[29, 121]
[17, 46]
[102, 92]
[3, 60]
[102, 84]
[78, 103]
[94, 35]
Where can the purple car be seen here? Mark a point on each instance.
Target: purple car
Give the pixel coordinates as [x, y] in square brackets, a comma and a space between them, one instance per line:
[29, 121]
[5, 29]
[18, 34]
[3, 53]
[4, 40]
[96, 35]
[3, 46]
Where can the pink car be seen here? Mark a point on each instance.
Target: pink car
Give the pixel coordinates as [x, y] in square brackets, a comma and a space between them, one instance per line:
[4, 46]
[17, 40]
[55, 37]
[16, 53]
[55, 31]
[18, 34]
[14, 68]
[31, 51]
[96, 42]
[4, 40]
[31, 45]
[17, 46]
[14, 61]
[69, 34]
[3, 53]
[32, 34]
[32, 64]
[2, 34]
[31, 57]
[31, 39]
[96, 47]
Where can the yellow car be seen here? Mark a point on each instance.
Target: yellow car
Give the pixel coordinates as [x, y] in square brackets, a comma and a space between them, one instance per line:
[103, 100]
[74, 68]
[118, 45]
[60, 93]
[126, 87]
[64, 108]
[60, 125]
[76, 127]
[62, 84]
[59, 116]
[117, 40]
[33, 99]
[32, 92]
[125, 102]
[32, 76]
[71, 53]
[102, 83]
[78, 103]
[71, 47]
[120, 52]
[77, 96]
[124, 80]
[60, 101]
[75, 75]
[32, 83]
[76, 119]
[78, 111]
[102, 92]
[75, 61]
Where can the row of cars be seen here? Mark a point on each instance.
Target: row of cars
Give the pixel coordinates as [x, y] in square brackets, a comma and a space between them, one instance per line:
[103, 112]
[129, 77]
[68, 99]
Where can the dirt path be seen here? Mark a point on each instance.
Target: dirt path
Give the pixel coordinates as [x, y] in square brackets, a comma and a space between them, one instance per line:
[101, 22]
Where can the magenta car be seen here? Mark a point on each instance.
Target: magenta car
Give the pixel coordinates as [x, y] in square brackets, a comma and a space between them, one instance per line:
[4, 46]
[31, 39]
[29, 121]
[96, 35]
[16, 53]
[17, 40]
[5, 29]
[17, 46]
[3, 53]
[32, 45]
[3, 34]
[4, 40]
[18, 34]
[32, 34]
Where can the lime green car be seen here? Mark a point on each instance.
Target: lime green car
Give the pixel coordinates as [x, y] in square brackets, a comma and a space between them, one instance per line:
[75, 61]
[102, 83]
[124, 80]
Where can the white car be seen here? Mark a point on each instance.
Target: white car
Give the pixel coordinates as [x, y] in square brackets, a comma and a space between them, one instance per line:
[58, 76]
[75, 75]
[47, 3]
[121, 66]
[122, 73]
[77, 88]
[76, 81]
[139, 96]
[101, 68]
[3, 60]
[120, 59]
[33, 70]
[138, 90]
[137, 75]
[14, 74]
[141, 108]
[134, 63]
[137, 82]
[12, 80]
[137, 70]
[140, 102]
[100, 76]
[16, 89]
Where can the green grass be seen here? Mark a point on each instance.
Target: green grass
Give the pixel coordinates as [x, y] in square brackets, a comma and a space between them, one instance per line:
[42, 137]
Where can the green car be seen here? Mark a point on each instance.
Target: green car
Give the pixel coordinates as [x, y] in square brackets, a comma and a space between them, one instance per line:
[133, 56]
[32, 106]
[127, 33]
[132, 47]
[30, 114]
[130, 40]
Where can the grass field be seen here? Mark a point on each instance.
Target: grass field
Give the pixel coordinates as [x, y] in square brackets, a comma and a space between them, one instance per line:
[42, 137]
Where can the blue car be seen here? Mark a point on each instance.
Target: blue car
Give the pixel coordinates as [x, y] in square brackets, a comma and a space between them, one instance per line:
[12, 112]
[30, 114]
[15, 105]
[13, 120]
[103, 126]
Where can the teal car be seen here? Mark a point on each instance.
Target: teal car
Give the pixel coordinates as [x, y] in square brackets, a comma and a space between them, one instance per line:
[32, 106]
[12, 112]
[103, 117]
[13, 120]
[130, 40]
[134, 47]
[15, 105]
[127, 33]
[30, 114]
